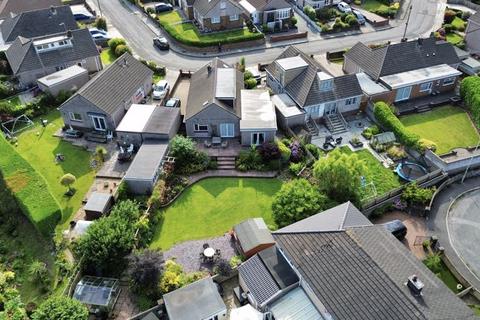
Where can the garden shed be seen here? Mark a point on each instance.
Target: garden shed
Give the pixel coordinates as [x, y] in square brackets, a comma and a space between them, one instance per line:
[252, 236]
[98, 204]
[145, 169]
[384, 138]
[69, 79]
[98, 294]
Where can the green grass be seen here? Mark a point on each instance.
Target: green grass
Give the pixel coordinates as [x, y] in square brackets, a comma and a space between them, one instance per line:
[157, 78]
[38, 146]
[169, 17]
[212, 207]
[449, 127]
[458, 23]
[454, 38]
[383, 178]
[107, 56]
[447, 277]
[374, 5]
[475, 308]
[15, 101]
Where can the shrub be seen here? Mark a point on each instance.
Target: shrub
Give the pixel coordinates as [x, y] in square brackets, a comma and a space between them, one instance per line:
[293, 21]
[448, 28]
[470, 93]
[449, 16]
[385, 116]
[466, 15]
[434, 263]
[396, 153]
[369, 132]
[144, 269]
[295, 168]
[269, 151]
[121, 49]
[310, 12]
[235, 261]
[223, 268]
[101, 23]
[285, 151]
[183, 149]
[247, 75]
[61, 308]
[158, 195]
[250, 83]
[339, 24]
[325, 14]
[413, 194]
[115, 42]
[250, 160]
[314, 150]
[351, 20]
[424, 144]
[297, 151]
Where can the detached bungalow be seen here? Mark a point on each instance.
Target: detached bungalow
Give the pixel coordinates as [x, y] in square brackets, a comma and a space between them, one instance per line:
[472, 34]
[101, 104]
[404, 71]
[273, 13]
[218, 15]
[9, 7]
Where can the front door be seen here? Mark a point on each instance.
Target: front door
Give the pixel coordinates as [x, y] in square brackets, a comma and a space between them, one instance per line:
[258, 138]
[403, 94]
[331, 108]
[99, 123]
[227, 130]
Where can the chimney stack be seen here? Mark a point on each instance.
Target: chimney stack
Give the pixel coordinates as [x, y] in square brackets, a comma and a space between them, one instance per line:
[53, 11]
[209, 69]
[415, 285]
[420, 41]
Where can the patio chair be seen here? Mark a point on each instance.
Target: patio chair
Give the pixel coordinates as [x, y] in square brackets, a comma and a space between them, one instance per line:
[207, 144]
[338, 140]
[206, 245]
[218, 252]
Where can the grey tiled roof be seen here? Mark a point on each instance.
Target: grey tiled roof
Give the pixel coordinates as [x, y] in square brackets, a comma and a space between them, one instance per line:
[202, 89]
[305, 88]
[38, 23]
[334, 219]
[115, 84]
[402, 57]
[475, 17]
[203, 7]
[22, 55]
[18, 6]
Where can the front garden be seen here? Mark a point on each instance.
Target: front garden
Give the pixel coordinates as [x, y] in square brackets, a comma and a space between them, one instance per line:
[330, 20]
[453, 27]
[381, 7]
[448, 127]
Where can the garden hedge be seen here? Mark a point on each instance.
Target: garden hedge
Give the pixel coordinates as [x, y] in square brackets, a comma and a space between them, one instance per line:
[384, 114]
[30, 189]
[470, 93]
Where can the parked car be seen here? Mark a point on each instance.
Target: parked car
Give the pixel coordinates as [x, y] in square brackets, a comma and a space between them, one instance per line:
[360, 18]
[163, 7]
[97, 31]
[100, 39]
[344, 7]
[160, 90]
[397, 228]
[173, 103]
[161, 43]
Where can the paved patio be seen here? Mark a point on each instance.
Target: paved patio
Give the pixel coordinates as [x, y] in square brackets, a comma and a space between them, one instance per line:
[187, 253]
[411, 106]
[233, 149]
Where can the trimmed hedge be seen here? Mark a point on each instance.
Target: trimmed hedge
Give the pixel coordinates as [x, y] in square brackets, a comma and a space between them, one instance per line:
[30, 189]
[383, 113]
[470, 93]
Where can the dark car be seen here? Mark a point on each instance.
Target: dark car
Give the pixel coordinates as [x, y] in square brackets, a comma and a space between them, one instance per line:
[161, 43]
[163, 7]
[173, 103]
[397, 228]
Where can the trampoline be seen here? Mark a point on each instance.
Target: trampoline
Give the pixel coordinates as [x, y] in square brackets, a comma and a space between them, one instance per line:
[410, 171]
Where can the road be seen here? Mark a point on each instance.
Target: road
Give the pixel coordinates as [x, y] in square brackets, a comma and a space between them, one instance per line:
[134, 28]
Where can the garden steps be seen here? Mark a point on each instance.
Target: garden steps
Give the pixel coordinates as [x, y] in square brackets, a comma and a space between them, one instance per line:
[335, 124]
[225, 163]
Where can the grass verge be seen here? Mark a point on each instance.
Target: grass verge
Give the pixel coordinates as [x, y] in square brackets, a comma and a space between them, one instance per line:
[107, 56]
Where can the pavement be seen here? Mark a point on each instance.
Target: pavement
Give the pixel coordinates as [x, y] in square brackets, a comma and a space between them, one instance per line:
[138, 30]
[459, 231]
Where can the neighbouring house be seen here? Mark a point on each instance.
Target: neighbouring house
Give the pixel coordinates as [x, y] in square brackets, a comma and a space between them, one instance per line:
[258, 122]
[7, 7]
[98, 294]
[404, 71]
[472, 34]
[144, 122]
[218, 15]
[35, 58]
[197, 301]
[101, 103]
[274, 13]
[317, 4]
[340, 266]
[187, 7]
[143, 173]
[38, 23]
[213, 106]
[320, 95]
[69, 79]
[98, 205]
[252, 236]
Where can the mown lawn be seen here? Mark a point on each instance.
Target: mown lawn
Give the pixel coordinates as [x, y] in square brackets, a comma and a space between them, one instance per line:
[454, 38]
[383, 178]
[373, 5]
[107, 56]
[212, 207]
[447, 277]
[458, 23]
[449, 127]
[38, 146]
[169, 17]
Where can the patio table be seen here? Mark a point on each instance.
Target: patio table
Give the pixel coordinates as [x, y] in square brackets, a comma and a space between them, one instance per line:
[209, 252]
[216, 141]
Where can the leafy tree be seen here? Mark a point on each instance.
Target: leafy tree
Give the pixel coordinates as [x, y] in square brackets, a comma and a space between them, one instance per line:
[250, 83]
[269, 151]
[61, 308]
[145, 270]
[413, 194]
[121, 49]
[339, 175]
[114, 42]
[127, 210]
[171, 278]
[223, 268]
[67, 180]
[247, 75]
[183, 149]
[13, 308]
[101, 23]
[297, 200]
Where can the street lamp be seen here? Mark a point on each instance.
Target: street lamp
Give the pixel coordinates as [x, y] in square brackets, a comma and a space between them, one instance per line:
[406, 24]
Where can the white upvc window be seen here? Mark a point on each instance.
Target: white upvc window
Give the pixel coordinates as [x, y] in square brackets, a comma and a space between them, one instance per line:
[200, 127]
[234, 17]
[227, 130]
[284, 14]
[351, 101]
[449, 81]
[427, 86]
[403, 94]
[75, 116]
[215, 19]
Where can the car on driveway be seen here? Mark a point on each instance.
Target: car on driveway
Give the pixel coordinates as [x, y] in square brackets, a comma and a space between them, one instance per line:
[163, 7]
[97, 31]
[161, 43]
[344, 7]
[101, 39]
[173, 103]
[360, 18]
[397, 228]
[160, 90]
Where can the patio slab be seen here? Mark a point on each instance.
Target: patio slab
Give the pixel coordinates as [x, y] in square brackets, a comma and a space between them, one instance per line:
[233, 149]
[187, 253]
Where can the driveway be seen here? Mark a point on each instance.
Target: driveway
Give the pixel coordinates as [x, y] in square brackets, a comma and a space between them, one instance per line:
[139, 32]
